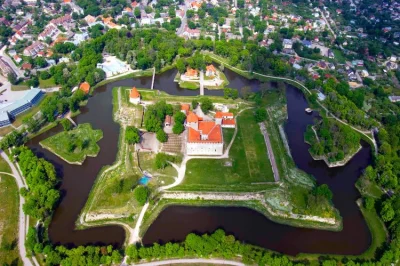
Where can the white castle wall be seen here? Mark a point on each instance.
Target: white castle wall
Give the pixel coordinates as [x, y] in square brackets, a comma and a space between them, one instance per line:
[204, 148]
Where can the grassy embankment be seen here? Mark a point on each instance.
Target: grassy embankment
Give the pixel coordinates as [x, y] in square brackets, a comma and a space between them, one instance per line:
[247, 163]
[75, 145]
[9, 202]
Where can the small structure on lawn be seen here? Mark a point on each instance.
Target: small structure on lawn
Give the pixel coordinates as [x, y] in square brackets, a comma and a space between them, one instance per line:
[134, 96]
[85, 87]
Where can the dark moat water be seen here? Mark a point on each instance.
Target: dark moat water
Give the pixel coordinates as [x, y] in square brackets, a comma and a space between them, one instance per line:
[174, 223]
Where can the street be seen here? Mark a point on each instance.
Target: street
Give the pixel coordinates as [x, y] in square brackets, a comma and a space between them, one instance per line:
[7, 59]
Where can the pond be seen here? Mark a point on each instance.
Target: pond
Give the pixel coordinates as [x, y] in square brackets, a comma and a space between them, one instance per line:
[174, 223]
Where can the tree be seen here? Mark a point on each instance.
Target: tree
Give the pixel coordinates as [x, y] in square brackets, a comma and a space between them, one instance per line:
[66, 124]
[206, 105]
[180, 65]
[137, 12]
[195, 104]
[162, 136]
[132, 135]
[369, 203]
[45, 75]
[12, 78]
[260, 115]
[161, 160]
[141, 193]
[387, 212]
[190, 13]
[178, 128]
[323, 190]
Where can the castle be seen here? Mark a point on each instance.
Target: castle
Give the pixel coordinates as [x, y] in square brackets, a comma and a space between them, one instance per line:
[205, 137]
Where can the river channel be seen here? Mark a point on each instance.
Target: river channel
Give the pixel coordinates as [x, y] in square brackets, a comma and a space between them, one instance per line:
[175, 222]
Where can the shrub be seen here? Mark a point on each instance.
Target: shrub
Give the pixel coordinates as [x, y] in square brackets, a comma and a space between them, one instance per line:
[141, 193]
[162, 136]
[132, 135]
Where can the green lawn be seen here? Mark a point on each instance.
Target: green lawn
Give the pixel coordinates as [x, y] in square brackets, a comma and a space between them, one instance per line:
[248, 157]
[21, 87]
[73, 146]
[189, 85]
[47, 83]
[228, 135]
[339, 56]
[9, 199]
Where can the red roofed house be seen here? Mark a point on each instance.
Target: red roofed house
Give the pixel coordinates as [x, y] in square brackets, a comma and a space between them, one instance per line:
[204, 137]
[225, 120]
[134, 96]
[85, 87]
[26, 66]
[191, 73]
[210, 71]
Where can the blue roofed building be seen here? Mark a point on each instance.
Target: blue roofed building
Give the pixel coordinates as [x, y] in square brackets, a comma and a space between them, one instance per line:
[9, 112]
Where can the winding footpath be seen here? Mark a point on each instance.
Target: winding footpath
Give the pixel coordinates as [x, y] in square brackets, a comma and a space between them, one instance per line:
[22, 225]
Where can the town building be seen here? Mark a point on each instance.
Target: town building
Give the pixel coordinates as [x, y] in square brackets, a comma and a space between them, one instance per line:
[225, 119]
[113, 66]
[50, 31]
[33, 49]
[134, 96]
[211, 71]
[394, 99]
[10, 111]
[190, 74]
[203, 137]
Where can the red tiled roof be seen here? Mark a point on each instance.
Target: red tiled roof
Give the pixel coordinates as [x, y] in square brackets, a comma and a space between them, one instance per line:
[190, 72]
[206, 128]
[228, 121]
[134, 93]
[211, 68]
[185, 107]
[85, 87]
[192, 117]
[223, 114]
[26, 66]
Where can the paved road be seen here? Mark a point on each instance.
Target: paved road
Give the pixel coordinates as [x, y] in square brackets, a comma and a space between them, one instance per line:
[22, 218]
[190, 261]
[183, 22]
[7, 59]
[271, 156]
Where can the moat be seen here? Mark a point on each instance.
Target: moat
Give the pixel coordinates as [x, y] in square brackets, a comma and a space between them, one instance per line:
[174, 223]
